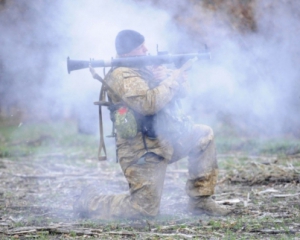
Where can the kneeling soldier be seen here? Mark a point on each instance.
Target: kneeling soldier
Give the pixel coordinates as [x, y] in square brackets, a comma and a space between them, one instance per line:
[156, 133]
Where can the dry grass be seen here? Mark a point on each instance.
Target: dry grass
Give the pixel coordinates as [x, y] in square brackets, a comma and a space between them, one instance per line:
[37, 190]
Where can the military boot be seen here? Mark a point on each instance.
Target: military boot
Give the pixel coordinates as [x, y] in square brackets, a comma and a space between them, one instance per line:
[206, 205]
[86, 203]
[80, 205]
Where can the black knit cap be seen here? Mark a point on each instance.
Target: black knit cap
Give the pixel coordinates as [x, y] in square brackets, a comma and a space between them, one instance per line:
[127, 40]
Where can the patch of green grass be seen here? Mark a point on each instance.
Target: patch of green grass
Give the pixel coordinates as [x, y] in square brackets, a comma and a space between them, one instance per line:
[40, 138]
[235, 227]
[280, 146]
[231, 162]
[215, 224]
[35, 138]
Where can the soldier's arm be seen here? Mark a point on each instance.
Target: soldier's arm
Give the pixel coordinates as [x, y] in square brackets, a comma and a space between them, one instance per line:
[162, 72]
[136, 93]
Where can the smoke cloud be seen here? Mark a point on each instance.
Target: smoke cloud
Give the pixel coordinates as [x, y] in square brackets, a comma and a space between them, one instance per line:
[36, 39]
[251, 82]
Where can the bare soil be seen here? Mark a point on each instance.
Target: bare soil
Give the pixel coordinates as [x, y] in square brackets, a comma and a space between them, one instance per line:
[37, 193]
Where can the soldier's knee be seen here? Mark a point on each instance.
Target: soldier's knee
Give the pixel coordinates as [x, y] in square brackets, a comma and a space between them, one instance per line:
[210, 132]
[205, 131]
[205, 136]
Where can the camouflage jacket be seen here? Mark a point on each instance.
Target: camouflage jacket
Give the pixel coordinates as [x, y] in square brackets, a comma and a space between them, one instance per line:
[139, 91]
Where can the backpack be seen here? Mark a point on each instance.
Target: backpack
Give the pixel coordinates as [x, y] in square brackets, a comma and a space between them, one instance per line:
[125, 120]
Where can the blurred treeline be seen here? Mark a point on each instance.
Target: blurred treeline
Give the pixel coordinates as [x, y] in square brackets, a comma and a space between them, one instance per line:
[192, 15]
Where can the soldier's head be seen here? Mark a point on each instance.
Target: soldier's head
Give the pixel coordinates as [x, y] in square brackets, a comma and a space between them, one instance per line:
[130, 43]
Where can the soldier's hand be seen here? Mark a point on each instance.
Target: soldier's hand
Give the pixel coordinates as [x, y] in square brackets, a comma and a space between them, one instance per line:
[182, 72]
[160, 72]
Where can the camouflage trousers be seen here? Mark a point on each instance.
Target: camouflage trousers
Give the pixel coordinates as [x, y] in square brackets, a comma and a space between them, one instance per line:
[146, 178]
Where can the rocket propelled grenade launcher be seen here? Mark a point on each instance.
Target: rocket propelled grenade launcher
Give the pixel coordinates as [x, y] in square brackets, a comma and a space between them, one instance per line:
[139, 61]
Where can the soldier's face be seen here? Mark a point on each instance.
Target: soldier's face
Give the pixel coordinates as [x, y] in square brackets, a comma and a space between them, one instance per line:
[139, 51]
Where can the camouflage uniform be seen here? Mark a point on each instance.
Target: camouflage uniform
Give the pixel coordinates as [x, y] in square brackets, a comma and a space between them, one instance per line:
[145, 170]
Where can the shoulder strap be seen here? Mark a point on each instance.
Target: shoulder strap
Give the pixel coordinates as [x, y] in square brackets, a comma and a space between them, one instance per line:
[102, 97]
[103, 102]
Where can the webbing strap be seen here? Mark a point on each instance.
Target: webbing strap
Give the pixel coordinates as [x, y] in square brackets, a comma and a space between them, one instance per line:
[102, 143]
[102, 102]
[102, 98]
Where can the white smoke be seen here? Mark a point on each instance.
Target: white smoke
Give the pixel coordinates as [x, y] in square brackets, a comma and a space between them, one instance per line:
[93, 28]
[37, 38]
[253, 78]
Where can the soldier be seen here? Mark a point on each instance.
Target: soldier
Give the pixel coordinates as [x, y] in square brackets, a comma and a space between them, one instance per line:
[155, 135]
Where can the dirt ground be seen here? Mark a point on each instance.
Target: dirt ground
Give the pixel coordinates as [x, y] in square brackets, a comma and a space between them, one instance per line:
[37, 192]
